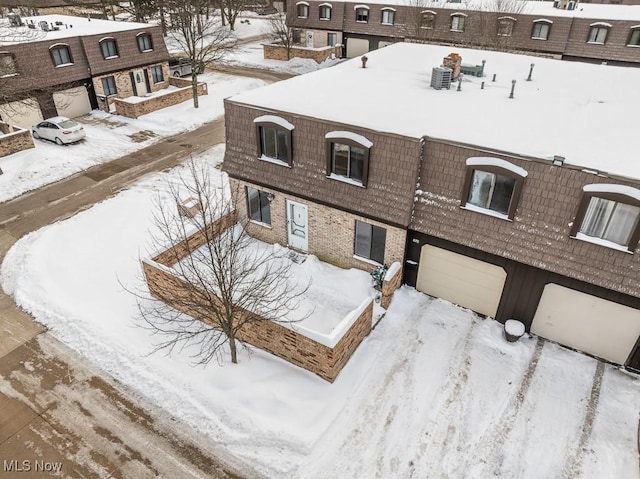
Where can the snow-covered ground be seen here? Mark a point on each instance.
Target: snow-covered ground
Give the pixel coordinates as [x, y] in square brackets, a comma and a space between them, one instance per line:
[433, 391]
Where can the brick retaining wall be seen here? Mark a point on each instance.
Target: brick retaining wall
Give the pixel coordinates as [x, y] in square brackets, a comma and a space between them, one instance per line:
[389, 287]
[270, 336]
[15, 140]
[153, 103]
[276, 51]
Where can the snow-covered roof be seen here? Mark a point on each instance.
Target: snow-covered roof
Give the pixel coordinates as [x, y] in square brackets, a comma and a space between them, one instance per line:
[583, 112]
[69, 26]
[542, 8]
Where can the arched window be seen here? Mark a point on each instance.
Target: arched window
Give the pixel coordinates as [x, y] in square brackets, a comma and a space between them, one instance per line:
[634, 37]
[348, 157]
[427, 19]
[458, 21]
[388, 16]
[274, 135]
[598, 33]
[325, 11]
[362, 13]
[541, 29]
[506, 26]
[302, 9]
[109, 48]
[60, 54]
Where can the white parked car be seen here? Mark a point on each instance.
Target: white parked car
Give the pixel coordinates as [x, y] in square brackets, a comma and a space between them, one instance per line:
[60, 129]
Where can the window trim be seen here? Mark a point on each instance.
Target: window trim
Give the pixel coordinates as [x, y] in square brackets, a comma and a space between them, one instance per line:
[357, 8]
[599, 25]
[148, 35]
[327, 6]
[393, 15]
[633, 29]
[302, 4]
[269, 197]
[506, 20]
[115, 86]
[60, 46]
[13, 66]
[368, 258]
[495, 166]
[541, 21]
[433, 16]
[106, 40]
[458, 15]
[153, 68]
[612, 192]
[351, 140]
[278, 124]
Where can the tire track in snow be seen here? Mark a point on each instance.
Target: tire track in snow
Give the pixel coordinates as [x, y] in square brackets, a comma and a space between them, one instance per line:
[489, 448]
[454, 407]
[573, 465]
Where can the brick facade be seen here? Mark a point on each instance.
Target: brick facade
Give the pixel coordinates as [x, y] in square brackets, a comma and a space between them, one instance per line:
[331, 231]
[272, 337]
[13, 139]
[539, 234]
[274, 51]
[153, 103]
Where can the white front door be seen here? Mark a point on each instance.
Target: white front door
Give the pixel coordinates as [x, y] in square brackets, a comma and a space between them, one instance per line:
[141, 86]
[297, 225]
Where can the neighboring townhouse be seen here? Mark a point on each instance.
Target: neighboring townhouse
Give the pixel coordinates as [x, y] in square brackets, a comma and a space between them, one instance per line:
[59, 7]
[514, 199]
[592, 32]
[68, 66]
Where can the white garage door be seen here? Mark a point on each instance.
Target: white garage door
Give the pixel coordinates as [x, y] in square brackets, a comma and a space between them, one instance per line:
[357, 47]
[73, 102]
[465, 281]
[21, 113]
[596, 326]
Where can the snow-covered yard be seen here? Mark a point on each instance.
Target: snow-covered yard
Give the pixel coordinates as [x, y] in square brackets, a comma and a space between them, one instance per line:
[434, 391]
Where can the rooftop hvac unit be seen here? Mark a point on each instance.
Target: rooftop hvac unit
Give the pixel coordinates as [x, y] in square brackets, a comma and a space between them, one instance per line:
[44, 26]
[441, 78]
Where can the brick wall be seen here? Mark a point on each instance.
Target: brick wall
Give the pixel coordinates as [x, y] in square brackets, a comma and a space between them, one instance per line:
[274, 51]
[157, 102]
[272, 337]
[15, 140]
[331, 231]
[389, 285]
[539, 233]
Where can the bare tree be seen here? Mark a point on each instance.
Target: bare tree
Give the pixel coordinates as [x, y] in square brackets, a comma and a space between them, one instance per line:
[224, 285]
[281, 31]
[200, 35]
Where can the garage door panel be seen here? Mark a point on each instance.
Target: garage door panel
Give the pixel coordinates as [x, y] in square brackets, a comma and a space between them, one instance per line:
[24, 113]
[357, 47]
[596, 326]
[465, 281]
[73, 102]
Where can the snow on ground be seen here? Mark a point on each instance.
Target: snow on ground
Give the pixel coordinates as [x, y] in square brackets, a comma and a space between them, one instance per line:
[433, 391]
[111, 136]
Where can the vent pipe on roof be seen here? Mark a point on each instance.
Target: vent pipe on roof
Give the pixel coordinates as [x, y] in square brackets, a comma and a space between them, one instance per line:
[364, 61]
[531, 71]
[494, 77]
[513, 88]
[558, 160]
[459, 83]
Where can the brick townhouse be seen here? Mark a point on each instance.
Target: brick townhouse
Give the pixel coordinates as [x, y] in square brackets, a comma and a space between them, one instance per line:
[68, 66]
[503, 197]
[588, 32]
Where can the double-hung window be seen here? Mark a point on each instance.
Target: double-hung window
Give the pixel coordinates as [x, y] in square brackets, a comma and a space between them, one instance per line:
[369, 241]
[325, 11]
[156, 74]
[145, 44]
[109, 86]
[492, 186]
[598, 33]
[540, 30]
[61, 55]
[274, 135]
[348, 157]
[362, 13]
[259, 206]
[427, 19]
[609, 214]
[332, 39]
[505, 26]
[388, 16]
[109, 48]
[302, 9]
[457, 22]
